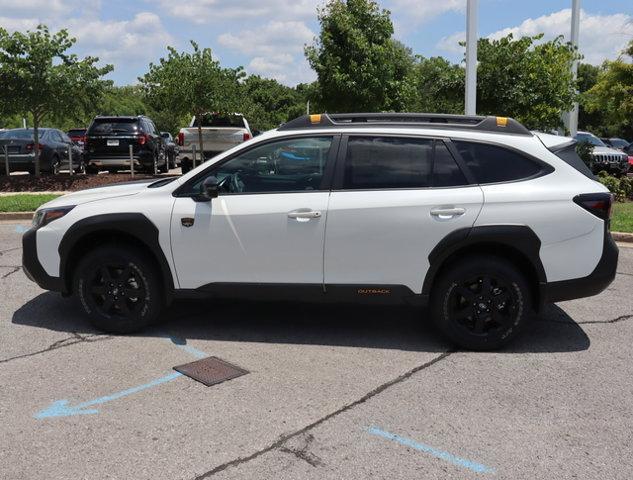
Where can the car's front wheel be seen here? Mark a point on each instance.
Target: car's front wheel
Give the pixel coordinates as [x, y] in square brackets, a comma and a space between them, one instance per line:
[481, 302]
[119, 288]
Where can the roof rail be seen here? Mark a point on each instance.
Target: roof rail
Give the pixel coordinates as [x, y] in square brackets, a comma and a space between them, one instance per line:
[426, 120]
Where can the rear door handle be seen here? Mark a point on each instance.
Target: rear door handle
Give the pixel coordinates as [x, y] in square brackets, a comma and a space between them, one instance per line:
[448, 212]
[302, 214]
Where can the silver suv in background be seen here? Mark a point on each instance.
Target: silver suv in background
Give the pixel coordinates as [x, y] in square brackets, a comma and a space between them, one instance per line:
[603, 157]
[219, 133]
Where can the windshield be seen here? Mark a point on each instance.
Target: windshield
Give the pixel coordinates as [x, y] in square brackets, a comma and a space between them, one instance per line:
[109, 125]
[589, 138]
[21, 133]
[619, 143]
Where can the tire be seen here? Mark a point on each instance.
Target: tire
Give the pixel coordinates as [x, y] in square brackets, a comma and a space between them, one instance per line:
[185, 165]
[172, 160]
[91, 170]
[164, 168]
[481, 303]
[81, 169]
[113, 171]
[119, 288]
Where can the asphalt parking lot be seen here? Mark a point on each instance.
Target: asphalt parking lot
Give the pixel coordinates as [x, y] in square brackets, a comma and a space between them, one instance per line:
[333, 392]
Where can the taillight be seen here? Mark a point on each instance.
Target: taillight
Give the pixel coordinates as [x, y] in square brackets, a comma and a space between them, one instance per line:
[142, 139]
[181, 138]
[597, 203]
[247, 136]
[31, 146]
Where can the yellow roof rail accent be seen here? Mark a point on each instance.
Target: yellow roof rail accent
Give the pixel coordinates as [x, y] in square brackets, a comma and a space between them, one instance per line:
[315, 118]
[502, 121]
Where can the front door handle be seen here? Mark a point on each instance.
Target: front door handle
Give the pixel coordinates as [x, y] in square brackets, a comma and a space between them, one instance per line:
[448, 212]
[304, 214]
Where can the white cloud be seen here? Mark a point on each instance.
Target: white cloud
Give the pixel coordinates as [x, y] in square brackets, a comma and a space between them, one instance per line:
[209, 11]
[274, 37]
[285, 68]
[426, 10]
[602, 37]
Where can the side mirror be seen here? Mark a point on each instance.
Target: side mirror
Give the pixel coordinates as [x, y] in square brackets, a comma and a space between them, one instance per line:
[210, 187]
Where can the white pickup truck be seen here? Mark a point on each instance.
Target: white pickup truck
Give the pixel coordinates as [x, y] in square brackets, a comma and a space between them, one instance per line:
[219, 133]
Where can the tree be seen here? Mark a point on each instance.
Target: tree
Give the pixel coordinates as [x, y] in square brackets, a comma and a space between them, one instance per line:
[358, 64]
[613, 95]
[192, 84]
[529, 81]
[40, 79]
[438, 86]
[593, 121]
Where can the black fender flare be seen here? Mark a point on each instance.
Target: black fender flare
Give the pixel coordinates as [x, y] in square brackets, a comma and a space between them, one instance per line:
[518, 238]
[134, 225]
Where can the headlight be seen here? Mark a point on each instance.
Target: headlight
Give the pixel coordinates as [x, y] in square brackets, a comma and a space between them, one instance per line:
[45, 216]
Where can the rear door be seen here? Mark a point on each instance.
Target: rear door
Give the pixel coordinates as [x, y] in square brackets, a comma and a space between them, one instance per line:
[394, 199]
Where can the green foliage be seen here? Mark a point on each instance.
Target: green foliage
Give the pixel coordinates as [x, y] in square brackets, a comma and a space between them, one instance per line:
[584, 151]
[41, 79]
[438, 86]
[192, 83]
[622, 220]
[613, 95]
[622, 187]
[592, 121]
[359, 65]
[529, 81]
[24, 202]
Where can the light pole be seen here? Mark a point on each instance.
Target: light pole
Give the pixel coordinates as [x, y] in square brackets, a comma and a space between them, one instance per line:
[470, 100]
[575, 30]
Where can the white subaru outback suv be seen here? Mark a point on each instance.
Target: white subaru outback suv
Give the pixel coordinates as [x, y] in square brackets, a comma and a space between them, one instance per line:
[476, 217]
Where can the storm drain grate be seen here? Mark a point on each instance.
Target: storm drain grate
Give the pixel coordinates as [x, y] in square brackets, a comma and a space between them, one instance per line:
[211, 370]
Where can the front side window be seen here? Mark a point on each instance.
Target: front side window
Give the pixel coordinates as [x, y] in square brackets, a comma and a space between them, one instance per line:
[288, 165]
[388, 162]
[493, 164]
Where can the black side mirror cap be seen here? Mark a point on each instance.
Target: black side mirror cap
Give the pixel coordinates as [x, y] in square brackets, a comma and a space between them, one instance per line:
[210, 187]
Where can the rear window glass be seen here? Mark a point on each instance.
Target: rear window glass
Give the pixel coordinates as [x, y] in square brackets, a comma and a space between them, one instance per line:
[22, 134]
[493, 164]
[215, 120]
[78, 131]
[106, 126]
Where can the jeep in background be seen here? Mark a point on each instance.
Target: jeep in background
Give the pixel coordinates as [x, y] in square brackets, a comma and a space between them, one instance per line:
[603, 157]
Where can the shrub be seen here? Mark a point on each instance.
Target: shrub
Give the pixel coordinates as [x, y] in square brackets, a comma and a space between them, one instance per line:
[622, 188]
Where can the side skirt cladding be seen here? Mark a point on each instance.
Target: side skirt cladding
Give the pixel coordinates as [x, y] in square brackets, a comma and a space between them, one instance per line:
[134, 226]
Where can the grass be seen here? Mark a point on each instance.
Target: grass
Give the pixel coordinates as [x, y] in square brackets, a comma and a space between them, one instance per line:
[24, 203]
[622, 220]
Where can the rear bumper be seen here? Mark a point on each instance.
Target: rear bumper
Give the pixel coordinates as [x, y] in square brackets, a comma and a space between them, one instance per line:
[32, 266]
[592, 284]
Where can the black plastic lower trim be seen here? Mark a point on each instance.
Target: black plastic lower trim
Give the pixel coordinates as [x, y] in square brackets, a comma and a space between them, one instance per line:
[592, 284]
[32, 266]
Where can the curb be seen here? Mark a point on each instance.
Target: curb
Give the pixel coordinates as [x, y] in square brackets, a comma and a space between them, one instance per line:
[4, 216]
[16, 216]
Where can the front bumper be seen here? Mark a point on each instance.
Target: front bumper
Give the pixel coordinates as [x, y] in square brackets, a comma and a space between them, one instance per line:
[592, 284]
[33, 268]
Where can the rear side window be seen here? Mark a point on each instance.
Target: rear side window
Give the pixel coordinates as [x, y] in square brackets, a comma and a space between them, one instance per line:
[107, 126]
[446, 173]
[388, 162]
[493, 164]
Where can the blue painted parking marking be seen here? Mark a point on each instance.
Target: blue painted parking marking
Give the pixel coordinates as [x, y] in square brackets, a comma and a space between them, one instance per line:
[421, 447]
[61, 408]
[21, 229]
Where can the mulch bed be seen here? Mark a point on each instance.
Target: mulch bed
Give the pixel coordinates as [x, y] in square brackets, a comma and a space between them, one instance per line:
[63, 182]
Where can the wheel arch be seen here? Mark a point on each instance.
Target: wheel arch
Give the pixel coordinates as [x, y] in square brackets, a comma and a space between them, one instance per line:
[118, 228]
[517, 244]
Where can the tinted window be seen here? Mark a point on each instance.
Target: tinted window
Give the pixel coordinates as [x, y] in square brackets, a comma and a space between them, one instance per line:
[216, 120]
[18, 133]
[446, 173]
[77, 132]
[589, 138]
[491, 164]
[106, 126]
[388, 162]
[288, 165]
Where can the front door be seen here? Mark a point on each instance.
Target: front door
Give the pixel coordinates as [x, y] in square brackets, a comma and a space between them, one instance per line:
[394, 199]
[266, 226]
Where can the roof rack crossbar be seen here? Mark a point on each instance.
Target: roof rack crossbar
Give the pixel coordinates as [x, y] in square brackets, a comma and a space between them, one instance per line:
[427, 120]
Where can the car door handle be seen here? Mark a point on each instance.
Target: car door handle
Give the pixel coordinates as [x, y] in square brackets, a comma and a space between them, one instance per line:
[304, 214]
[447, 212]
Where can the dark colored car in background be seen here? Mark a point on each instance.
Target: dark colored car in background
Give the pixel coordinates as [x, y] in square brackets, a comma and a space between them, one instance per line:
[78, 135]
[171, 149]
[617, 143]
[54, 146]
[108, 142]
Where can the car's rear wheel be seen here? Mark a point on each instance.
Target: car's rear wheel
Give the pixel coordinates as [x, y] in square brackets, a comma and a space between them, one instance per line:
[55, 165]
[481, 303]
[119, 288]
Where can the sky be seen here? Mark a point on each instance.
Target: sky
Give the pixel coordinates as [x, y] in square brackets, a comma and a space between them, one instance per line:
[267, 37]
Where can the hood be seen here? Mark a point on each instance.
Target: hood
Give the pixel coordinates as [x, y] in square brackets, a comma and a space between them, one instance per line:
[607, 151]
[100, 193]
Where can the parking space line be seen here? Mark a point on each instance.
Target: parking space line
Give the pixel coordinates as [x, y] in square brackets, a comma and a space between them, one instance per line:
[441, 454]
[60, 408]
